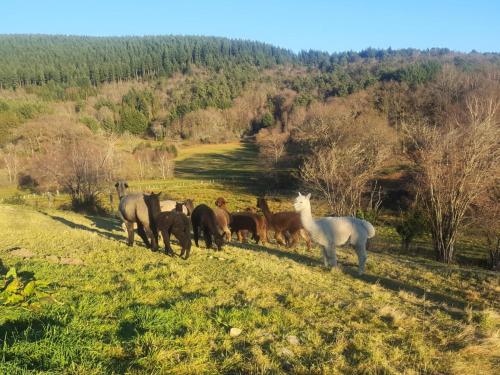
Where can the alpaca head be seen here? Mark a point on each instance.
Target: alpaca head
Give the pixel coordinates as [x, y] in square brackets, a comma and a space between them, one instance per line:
[302, 202]
[121, 188]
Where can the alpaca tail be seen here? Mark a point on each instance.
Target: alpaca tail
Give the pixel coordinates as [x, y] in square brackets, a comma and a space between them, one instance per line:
[370, 230]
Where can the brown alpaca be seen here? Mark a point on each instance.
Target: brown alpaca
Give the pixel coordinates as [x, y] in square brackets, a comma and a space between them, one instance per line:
[261, 224]
[203, 218]
[178, 224]
[244, 222]
[283, 223]
[223, 216]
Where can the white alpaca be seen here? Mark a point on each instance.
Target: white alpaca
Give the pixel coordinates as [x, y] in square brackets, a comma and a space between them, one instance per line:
[330, 232]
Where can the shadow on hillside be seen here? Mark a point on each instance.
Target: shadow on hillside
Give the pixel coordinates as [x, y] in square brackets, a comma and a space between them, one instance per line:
[236, 168]
[448, 304]
[30, 329]
[106, 223]
[69, 223]
[299, 258]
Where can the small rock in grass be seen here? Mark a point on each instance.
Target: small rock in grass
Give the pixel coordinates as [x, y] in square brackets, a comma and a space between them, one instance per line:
[52, 258]
[22, 253]
[234, 332]
[74, 261]
[293, 340]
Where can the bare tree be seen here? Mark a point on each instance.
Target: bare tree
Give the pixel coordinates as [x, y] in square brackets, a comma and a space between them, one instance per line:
[341, 174]
[164, 159]
[11, 160]
[455, 164]
[272, 144]
[487, 218]
[82, 167]
[144, 158]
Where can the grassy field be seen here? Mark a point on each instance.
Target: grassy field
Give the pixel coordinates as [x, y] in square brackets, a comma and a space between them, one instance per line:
[114, 309]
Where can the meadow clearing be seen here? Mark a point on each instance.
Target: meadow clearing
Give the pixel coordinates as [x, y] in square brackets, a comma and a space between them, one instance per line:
[105, 308]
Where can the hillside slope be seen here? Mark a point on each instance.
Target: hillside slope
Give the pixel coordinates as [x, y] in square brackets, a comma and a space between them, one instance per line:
[118, 309]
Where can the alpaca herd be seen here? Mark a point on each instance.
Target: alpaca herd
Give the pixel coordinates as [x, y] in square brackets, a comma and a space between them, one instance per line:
[150, 216]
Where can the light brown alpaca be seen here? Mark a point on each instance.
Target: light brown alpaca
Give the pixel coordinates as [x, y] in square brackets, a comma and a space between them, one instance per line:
[283, 223]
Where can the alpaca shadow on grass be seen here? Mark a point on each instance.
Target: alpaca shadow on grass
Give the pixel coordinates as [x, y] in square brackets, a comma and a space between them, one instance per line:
[106, 223]
[307, 260]
[448, 304]
[96, 230]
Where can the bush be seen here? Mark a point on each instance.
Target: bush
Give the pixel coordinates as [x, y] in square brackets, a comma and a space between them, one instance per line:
[412, 224]
[26, 181]
[133, 121]
[88, 204]
[91, 123]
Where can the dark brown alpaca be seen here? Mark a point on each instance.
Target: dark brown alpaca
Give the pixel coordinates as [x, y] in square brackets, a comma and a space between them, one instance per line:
[244, 222]
[203, 218]
[283, 223]
[223, 216]
[178, 224]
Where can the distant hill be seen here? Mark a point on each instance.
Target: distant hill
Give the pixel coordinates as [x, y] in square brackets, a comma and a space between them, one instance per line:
[81, 60]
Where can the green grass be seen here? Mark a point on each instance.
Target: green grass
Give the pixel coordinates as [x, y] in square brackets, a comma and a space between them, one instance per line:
[128, 310]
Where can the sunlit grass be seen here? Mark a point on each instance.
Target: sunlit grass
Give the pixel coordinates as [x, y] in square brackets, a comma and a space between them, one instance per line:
[129, 310]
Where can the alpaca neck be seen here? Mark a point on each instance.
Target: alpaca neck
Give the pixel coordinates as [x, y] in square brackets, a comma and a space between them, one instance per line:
[307, 220]
[267, 213]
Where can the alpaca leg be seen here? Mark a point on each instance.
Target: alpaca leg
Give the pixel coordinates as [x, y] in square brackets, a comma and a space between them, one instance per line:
[166, 240]
[325, 256]
[306, 238]
[264, 236]
[130, 231]
[362, 255]
[154, 242]
[331, 253]
[239, 235]
[293, 239]
[186, 248]
[208, 237]
[196, 234]
[227, 234]
[143, 235]
[256, 236]
[279, 238]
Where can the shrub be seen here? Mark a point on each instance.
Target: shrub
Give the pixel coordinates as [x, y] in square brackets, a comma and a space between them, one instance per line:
[412, 224]
[91, 123]
[21, 289]
[133, 121]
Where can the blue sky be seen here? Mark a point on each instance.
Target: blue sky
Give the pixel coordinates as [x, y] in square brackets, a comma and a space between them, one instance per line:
[317, 24]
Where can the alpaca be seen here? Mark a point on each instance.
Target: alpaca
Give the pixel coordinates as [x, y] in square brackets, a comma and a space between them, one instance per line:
[283, 223]
[178, 224]
[223, 216]
[203, 218]
[330, 232]
[141, 210]
[261, 223]
[244, 222]
[170, 205]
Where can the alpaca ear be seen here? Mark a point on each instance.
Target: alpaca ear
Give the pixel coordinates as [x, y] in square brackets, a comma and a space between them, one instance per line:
[308, 196]
[300, 194]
